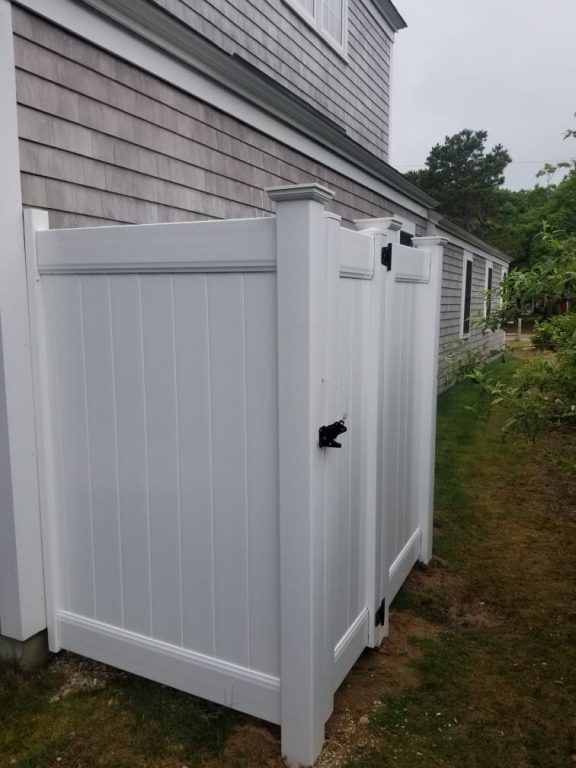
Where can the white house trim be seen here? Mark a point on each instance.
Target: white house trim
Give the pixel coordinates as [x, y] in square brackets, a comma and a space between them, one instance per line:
[22, 609]
[154, 51]
[316, 25]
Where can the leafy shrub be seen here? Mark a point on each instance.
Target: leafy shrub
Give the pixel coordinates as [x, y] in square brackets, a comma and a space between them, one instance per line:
[555, 333]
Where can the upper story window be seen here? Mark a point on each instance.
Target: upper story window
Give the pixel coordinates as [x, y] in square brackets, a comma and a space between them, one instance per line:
[328, 17]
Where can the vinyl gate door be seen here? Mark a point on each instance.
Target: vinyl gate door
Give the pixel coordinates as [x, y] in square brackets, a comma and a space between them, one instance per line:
[154, 343]
[410, 322]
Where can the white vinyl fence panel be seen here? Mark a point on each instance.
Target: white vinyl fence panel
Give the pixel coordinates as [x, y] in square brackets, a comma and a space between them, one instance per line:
[194, 531]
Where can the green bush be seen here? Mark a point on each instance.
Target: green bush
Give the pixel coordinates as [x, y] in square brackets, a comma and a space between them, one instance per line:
[555, 333]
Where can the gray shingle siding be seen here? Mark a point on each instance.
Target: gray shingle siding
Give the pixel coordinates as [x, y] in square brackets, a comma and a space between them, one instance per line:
[272, 36]
[451, 313]
[101, 141]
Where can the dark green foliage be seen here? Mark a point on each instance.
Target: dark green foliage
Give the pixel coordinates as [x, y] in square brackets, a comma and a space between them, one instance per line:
[555, 333]
[464, 177]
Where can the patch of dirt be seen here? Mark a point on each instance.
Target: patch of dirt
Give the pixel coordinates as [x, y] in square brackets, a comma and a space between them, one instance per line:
[257, 745]
[377, 672]
[81, 674]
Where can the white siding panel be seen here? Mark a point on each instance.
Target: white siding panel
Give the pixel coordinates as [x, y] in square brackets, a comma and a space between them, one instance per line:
[132, 453]
[262, 471]
[75, 446]
[195, 467]
[228, 400]
[103, 449]
[162, 439]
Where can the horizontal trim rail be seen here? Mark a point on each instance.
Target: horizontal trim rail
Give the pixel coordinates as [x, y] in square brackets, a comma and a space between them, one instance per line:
[160, 248]
[220, 681]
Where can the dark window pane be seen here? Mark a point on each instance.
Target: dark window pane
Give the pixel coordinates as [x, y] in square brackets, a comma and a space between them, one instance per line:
[467, 298]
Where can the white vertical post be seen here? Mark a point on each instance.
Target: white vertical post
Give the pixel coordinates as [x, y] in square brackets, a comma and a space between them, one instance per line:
[332, 410]
[428, 335]
[22, 610]
[37, 221]
[301, 290]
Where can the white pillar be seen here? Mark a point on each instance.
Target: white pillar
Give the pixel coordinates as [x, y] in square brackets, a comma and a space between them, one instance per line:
[305, 647]
[22, 610]
[428, 320]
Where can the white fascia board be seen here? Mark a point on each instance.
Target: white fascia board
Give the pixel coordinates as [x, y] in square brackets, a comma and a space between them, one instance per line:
[153, 52]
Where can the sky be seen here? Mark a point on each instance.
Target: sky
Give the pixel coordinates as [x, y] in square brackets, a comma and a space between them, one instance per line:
[504, 66]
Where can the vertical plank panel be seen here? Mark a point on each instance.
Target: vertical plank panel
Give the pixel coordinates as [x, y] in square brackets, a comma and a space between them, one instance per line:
[262, 442]
[343, 518]
[101, 414]
[52, 356]
[164, 496]
[68, 322]
[132, 452]
[403, 404]
[355, 438]
[195, 441]
[410, 523]
[393, 393]
[227, 387]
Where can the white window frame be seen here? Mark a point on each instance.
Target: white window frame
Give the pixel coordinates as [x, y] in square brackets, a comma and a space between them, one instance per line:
[315, 23]
[468, 257]
[489, 266]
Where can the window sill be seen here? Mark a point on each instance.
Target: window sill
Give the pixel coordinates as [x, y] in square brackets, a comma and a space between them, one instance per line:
[340, 50]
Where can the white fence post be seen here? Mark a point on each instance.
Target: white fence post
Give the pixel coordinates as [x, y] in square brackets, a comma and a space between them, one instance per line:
[428, 321]
[22, 610]
[301, 290]
[37, 221]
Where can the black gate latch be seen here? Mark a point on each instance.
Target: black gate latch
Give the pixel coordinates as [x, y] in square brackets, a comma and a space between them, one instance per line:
[329, 433]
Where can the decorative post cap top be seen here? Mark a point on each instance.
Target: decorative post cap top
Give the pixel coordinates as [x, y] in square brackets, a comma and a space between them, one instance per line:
[315, 192]
[430, 240]
[383, 223]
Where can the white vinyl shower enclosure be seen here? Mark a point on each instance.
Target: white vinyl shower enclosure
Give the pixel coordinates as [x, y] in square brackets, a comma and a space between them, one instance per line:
[194, 530]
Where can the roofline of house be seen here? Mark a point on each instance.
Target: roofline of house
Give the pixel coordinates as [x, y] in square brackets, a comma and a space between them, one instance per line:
[453, 229]
[233, 73]
[391, 14]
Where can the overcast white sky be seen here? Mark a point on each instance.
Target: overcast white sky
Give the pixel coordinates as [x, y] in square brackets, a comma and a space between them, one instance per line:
[506, 66]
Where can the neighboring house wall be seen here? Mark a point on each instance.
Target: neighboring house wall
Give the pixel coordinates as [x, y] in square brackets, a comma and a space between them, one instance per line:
[101, 141]
[272, 36]
[451, 314]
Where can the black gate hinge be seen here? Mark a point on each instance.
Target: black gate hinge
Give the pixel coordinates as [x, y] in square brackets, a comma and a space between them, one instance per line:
[387, 256]
[380, 614]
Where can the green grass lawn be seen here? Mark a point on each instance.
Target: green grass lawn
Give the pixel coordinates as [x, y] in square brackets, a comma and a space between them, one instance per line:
[496, 678]
[488, 681]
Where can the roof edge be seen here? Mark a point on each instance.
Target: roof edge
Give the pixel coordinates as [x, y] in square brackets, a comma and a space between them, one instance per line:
[448, 226]
[390, 13]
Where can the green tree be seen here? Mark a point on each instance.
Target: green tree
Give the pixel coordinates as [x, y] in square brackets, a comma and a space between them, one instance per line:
[465, 178]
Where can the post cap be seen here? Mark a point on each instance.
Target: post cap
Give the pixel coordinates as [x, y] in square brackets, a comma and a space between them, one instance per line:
[315, 192]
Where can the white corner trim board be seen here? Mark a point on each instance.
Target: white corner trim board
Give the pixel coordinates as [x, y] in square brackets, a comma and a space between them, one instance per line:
[153, 53]
[22, 609]
[146, 248]
[220, 681]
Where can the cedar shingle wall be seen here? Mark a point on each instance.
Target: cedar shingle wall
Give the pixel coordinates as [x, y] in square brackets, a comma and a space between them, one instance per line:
[452, 276]
[102, 141]
[271, 35]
